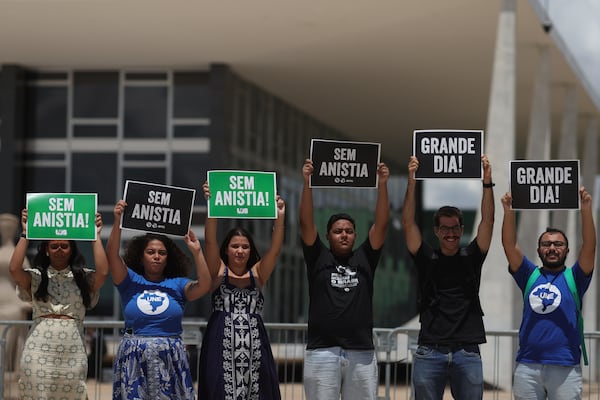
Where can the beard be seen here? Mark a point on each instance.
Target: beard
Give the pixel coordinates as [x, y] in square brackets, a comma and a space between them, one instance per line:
[559, 263]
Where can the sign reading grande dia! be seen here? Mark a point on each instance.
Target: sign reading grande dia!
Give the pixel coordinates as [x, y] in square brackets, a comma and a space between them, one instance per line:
[545, 184]
[157, 208]
[65, 216]
[448, 153]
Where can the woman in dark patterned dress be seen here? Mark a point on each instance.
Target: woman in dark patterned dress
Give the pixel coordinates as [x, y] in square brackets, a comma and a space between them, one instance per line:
[236, 361]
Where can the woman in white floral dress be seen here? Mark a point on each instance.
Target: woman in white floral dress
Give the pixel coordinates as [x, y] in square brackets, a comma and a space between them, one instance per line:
[60, 289]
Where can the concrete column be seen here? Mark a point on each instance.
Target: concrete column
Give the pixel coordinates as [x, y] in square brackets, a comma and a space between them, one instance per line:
[589, 166]
[567, 150]
[500, 147]
[533, 222]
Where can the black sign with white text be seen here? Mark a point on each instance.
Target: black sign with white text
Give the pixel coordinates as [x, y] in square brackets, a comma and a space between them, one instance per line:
[544, 185]
[448, 153]
[157, 208]
[344, 164]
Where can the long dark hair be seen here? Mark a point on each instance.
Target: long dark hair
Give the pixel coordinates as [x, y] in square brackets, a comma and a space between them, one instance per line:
[178, 263]
[239, 231]
[41, 262]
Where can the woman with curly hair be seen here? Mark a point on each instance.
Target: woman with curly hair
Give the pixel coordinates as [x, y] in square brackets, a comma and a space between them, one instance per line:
[152, 279]
[60, 289]
[236, 361]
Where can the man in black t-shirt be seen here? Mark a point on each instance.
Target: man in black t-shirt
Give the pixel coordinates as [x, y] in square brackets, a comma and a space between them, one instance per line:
[450, 312]
[340, 356]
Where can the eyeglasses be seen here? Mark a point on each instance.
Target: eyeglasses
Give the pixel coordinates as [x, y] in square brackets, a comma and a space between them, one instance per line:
[548, 243]
[447, 229]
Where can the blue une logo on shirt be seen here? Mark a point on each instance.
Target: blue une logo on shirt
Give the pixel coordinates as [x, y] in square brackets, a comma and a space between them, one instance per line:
[153, 302]
[544, 298]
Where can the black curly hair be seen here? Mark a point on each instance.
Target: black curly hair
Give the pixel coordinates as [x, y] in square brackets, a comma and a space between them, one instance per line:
[41, 262]
[178, 263]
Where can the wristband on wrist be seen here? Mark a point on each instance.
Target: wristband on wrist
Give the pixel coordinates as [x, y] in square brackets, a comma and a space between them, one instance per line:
[24, 235]
[489, 185]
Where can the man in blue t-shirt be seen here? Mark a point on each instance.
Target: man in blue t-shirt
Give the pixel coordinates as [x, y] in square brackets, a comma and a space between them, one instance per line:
[548, 359]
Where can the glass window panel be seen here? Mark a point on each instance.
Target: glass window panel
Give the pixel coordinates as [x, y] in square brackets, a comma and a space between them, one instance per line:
[145, 112]
[189, 171]
[45, 179]
[191, 95]
[144, 157]
[146, 174]
[95, 173]
[46, 108]
[46, 76]
[95, 131]
[146, 76]
[192, 131]
[44, 156]
[95, 94]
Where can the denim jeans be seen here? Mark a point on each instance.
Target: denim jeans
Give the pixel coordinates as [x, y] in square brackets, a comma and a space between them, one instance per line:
[554, 382]
[434, 366]
[332, 371]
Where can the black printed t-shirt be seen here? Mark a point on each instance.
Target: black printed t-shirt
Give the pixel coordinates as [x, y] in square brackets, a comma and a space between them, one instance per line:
[340, 311]
[450, 311]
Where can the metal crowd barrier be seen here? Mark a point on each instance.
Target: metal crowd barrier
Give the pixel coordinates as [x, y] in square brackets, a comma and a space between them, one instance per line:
[394, 351]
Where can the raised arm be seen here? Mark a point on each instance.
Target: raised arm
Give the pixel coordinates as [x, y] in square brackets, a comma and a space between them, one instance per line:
[587, 254]
[212, 253]
[267, 263]
[412, 232]
[308, 229]
[513, 252]
[382, 209]
[198, 288]
[100, 260]
[117, 267]
[15, 265]
[486, 225]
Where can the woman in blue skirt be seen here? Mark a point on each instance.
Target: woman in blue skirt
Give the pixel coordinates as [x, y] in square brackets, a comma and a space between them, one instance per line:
[152, 279]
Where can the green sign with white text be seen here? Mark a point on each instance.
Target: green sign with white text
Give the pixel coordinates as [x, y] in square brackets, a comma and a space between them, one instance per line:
[61, 216]
[242, 194]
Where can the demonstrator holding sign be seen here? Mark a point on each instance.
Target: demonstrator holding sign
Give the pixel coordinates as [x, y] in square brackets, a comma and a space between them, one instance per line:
[236, 359]
[152, 279]
[60, 288]
[449, 308]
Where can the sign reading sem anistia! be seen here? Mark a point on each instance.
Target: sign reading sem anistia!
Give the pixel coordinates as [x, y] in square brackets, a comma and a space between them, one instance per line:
[157, 208]
[242, 194]
[448, 153]
[544, 184]
[344, 164]
[61, 216]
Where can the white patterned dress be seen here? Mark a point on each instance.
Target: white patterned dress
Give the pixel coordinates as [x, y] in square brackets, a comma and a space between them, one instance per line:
[54, 359]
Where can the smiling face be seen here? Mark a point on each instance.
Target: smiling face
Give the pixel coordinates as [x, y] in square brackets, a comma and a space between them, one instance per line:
[449, 233]
[59, 252]
[154, 260]
[341, 237]
[553, 250]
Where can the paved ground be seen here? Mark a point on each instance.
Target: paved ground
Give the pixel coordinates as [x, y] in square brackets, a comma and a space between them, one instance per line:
[102, 391]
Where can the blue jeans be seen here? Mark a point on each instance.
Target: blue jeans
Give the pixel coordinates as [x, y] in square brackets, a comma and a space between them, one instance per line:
[332, 371]
[434, 366]
[554, 382]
